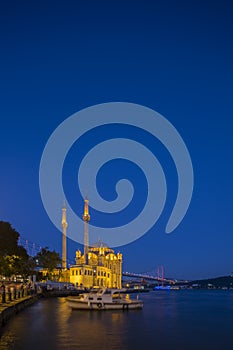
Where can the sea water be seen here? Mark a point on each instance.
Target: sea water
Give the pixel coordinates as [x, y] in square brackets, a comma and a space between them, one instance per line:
[175, 319]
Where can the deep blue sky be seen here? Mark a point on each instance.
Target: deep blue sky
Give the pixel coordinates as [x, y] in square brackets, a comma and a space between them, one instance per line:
[172, 56]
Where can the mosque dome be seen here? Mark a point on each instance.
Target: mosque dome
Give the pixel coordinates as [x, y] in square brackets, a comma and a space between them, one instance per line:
[100, 247]
[99, 244]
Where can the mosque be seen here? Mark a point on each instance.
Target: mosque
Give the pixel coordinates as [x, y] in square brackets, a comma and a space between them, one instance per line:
[98, 266]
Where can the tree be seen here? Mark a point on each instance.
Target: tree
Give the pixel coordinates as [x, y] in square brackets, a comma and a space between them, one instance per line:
[14, 259]
[8, 239]
[24, 264]
[47, 259]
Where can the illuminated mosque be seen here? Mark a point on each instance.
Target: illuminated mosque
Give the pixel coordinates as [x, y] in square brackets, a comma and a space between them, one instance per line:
[98, 266]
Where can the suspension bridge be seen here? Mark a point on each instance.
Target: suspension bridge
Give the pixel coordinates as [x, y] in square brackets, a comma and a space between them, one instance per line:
[147, 277]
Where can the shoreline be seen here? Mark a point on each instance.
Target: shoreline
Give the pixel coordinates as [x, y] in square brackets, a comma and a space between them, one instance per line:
[9, 309]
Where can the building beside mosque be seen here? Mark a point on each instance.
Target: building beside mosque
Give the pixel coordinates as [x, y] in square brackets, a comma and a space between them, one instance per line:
[98, 266]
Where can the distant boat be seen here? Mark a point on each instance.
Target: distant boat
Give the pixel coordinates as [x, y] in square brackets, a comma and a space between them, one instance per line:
[175, 288]
[162, 288]
[104, 299]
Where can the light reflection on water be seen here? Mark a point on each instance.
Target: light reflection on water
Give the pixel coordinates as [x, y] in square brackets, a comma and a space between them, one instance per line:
[176, 319]
[51, 324]
[89, 329]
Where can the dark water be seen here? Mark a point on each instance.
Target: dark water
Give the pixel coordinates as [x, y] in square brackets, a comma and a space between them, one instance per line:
[169, 320]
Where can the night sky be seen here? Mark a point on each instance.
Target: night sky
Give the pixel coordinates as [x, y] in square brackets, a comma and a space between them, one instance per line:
[174, 57]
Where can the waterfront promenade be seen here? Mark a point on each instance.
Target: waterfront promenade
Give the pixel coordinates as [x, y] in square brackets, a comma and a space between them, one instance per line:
[14, 299]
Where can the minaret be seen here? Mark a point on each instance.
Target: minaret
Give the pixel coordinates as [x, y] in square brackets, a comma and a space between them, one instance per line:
[64, 227]
[86, 219]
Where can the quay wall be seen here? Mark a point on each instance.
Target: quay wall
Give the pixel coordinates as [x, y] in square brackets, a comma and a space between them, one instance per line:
[13, 308]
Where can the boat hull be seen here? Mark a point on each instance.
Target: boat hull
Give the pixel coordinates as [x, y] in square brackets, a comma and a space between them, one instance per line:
[81, 305]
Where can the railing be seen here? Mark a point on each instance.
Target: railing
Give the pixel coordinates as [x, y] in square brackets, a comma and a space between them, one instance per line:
[8, 294]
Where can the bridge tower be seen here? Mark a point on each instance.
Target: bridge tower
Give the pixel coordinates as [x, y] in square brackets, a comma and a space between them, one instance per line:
[86, 219]
[161, 274]
[64, 225]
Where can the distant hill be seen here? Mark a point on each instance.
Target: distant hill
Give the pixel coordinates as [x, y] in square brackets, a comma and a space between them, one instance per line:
[218, 282]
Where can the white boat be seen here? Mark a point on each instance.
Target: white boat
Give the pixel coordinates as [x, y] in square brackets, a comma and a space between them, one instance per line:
[104, 299]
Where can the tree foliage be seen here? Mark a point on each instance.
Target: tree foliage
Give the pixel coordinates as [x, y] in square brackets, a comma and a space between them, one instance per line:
[47, 259]
[14, 259]
[8, 239]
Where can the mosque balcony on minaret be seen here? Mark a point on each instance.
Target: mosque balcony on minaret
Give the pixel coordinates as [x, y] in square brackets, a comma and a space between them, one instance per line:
[86, 215]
